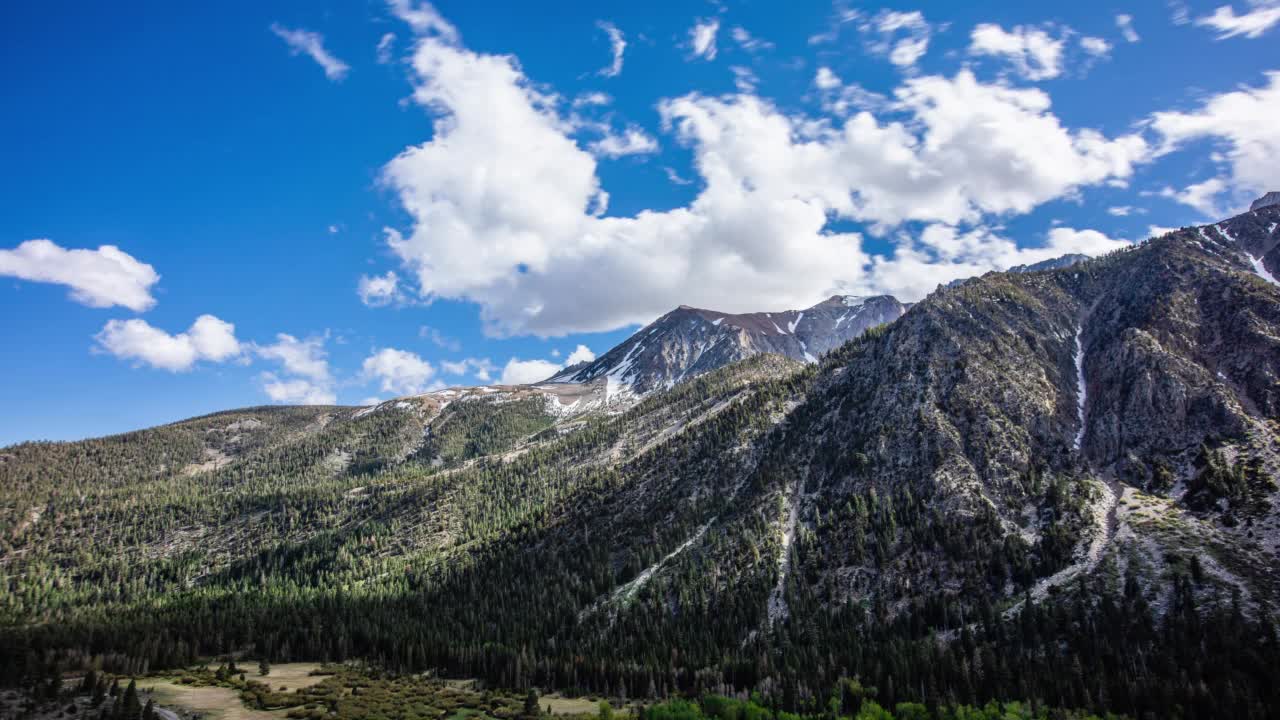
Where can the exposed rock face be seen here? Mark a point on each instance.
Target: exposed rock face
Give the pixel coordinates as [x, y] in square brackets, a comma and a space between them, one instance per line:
[1052, 264]
[687, 342]
[1271, 198]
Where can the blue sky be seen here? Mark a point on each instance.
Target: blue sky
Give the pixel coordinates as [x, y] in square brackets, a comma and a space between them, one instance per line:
[217, 205]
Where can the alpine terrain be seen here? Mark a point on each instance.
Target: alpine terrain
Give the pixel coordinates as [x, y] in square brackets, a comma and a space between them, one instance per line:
[1058, 484]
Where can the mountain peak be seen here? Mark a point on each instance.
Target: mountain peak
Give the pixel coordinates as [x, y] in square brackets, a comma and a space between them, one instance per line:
[690, 341]
[1271, 198]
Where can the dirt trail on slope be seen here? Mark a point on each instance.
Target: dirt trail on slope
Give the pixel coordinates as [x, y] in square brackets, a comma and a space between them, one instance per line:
[1103, 531]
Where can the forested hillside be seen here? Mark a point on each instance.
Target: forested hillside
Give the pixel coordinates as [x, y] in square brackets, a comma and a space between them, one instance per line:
[1057, 485]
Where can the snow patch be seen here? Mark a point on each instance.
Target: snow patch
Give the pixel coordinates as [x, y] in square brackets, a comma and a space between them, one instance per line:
[1262, 270]
[780, 330]
[791, 326]
[717, 321]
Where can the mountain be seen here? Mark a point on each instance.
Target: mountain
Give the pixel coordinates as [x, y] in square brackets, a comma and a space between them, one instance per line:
[1063, 261]
[1271, 198]
[1058, 486]
[1058, 263]
[688, 342]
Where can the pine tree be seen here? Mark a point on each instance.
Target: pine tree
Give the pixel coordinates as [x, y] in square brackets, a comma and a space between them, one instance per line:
[531, 709]
[132, 705]
[264, 667]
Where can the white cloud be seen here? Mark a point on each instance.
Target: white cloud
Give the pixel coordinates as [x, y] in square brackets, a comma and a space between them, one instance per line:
[505, 203]
[632, 141]
[481, 368]
[702, 38]
[297, 391]
[1125, 23]
[525, 372]
[438, 338]
[379, 290]
[1034, 54]
[592, 99]
[902, 37]
[943, 253]
[744, 79]
[1243, 122]
[674, 176]
[1202, 196]
[618, 44]
[385, 45]
[399, 371]
[97, 278]
[298, 357]
[306, 365]
[1264, 16]
[747, 41]
[582, 353]
[423, 18]
[1095, 46]
[825, 79]
[840, 99]
[208, 338]
[311, 44]
[1124, 211]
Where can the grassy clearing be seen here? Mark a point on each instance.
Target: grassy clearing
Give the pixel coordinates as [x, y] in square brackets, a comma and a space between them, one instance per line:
[220, 703]
[214, 703]
[569, 706]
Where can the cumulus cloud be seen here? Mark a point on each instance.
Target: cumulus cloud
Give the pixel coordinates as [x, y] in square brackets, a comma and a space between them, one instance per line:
[311, 44]
[1125, 23]
[839, 98]
[942, 253]
[506, 206]
[423, 18]
[208, 338]
[399, 371]
[297, 391]
[481, 368]
[902, 37]
[305, 365]
[526, 372]
[618, 44]
[582, 353]
[379, 290]
[1033, 53]
[702, 38]
[98, 278]
[1243, 123]
[1202, 196]
[1095, 46]
[632, 141]
[1264, 16]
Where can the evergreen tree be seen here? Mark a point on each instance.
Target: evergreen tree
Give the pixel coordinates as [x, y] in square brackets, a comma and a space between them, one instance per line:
[531, 708]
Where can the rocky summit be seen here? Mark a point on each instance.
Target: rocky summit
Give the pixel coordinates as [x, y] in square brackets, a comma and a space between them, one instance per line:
[688, 342]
